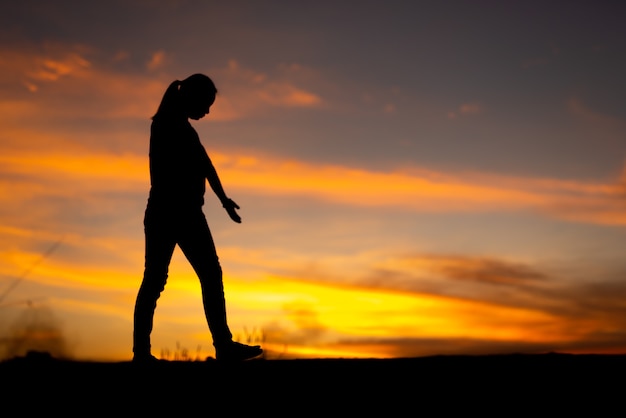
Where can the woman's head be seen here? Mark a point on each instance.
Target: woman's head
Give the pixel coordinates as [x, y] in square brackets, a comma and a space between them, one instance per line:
[197, 93]
[191, 98]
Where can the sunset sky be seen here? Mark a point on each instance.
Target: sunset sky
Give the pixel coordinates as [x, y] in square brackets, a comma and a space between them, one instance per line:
[415, 177]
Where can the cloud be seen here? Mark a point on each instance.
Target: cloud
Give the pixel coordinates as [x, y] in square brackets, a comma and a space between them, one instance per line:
[466, 109]
[288, 95]
[33, 67]
[417, 309]
[481, 304]
[389, 108]
[482, 279]
[300, 325]
[248, 93]
[68, 80]
[470, 108]
[602, 128]
[74, 82]
[494, 279]
[95, 201]
[352, 310]
[98, 185]
[478, 269]
[157, 60]
[478, 306]
[70, 64]
[425, 346]
[430, 191]
[579, 109]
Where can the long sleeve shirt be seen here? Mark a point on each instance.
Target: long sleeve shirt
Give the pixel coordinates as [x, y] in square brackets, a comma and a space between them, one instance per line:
[179, 166]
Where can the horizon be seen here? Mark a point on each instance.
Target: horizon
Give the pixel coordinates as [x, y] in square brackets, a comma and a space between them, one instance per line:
[414, 179]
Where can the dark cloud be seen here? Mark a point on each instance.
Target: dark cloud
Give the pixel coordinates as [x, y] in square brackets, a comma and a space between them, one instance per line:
[468, 277]
[487, 270]
[419, 347]
[601, 299]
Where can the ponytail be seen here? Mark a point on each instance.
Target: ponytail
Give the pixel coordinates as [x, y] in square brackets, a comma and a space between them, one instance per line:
[170, 99]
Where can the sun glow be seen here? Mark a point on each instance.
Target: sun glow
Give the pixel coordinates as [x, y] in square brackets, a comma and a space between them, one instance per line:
[378, 313]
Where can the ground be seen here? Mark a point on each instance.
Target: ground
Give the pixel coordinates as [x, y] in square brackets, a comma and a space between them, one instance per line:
[440, 385]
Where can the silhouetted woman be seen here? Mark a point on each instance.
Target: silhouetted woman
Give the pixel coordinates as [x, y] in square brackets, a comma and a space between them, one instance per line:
[179, 169]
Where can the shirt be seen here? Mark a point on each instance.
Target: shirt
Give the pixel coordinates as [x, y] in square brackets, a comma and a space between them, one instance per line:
[179, 165]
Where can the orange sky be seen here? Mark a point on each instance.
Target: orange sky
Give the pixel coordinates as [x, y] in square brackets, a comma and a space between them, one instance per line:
[385, 214]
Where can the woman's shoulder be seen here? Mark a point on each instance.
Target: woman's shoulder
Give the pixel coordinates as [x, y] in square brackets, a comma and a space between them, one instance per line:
[165, 128]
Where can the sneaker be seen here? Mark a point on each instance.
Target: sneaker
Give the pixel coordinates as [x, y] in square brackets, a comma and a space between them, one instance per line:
[145, 359]
[234, 351]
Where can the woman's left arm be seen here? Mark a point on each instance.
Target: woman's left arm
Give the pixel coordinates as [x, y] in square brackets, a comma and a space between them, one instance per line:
[216, 186]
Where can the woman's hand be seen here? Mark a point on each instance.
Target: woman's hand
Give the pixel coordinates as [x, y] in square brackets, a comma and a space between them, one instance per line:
[231, 207]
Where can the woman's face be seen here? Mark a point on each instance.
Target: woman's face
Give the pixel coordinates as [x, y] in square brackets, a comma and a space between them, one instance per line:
[199, 107]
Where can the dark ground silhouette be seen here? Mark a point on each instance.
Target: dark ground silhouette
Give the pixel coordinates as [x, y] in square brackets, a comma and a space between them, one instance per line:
[503, 385]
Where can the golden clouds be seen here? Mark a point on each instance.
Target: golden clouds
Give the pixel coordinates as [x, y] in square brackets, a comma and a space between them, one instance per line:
[423, 190]
[47, 191]
[513, 306]
[115, 172]
[68, 274]
[415, 190]
[318, 315]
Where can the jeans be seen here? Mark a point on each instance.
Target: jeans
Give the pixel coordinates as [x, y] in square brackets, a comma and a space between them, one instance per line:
[164, 229]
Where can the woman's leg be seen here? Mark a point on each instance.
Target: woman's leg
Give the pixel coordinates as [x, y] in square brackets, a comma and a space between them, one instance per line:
[160, 243]
[197, 244]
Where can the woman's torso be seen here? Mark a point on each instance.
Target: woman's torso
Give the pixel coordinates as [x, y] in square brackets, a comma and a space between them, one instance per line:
[177, 174]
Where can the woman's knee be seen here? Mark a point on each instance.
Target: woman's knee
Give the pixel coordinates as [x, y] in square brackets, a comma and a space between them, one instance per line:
[154, 281]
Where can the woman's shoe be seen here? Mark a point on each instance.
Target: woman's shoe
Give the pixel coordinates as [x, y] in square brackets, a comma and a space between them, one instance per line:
[234, 351]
